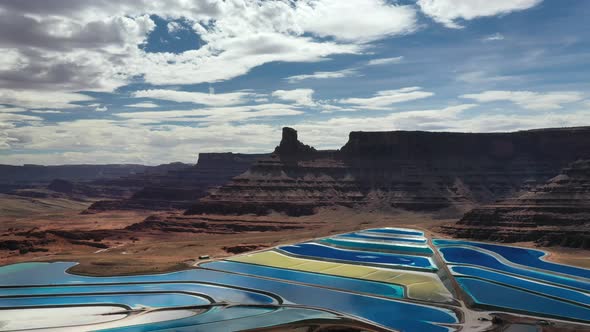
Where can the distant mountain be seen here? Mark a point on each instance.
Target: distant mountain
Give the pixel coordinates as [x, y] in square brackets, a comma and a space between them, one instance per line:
[37, 173]
[180, 187]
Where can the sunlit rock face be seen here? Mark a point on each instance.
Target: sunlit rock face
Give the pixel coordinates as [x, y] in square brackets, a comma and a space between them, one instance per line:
[411, 170]
[555, 213]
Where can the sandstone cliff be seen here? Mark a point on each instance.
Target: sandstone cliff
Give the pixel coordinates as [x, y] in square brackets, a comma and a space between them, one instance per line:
[411, 170]
[556, 213]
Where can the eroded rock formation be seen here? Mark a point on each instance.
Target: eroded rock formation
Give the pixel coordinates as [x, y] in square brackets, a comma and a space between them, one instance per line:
[556, 213]
[411, 170]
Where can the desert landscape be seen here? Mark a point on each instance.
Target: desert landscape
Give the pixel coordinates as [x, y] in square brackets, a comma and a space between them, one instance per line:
[295, 165]
[165, 218]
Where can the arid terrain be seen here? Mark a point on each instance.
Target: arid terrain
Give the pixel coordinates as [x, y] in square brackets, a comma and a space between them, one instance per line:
[124, 242]
[521, 188]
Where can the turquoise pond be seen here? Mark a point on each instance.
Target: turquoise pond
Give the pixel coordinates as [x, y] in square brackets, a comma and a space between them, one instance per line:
[354, 278]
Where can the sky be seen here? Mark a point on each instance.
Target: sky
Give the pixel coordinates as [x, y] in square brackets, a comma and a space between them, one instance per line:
[151, 82]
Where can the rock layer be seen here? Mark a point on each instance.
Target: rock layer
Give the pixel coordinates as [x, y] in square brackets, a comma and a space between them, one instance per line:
[410, 170]
[556, 213]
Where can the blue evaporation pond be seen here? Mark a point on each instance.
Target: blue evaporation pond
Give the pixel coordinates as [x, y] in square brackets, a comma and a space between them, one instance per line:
[488, 293]
[370, 237]
[560, 292]
[458, 255]
[129, 300]
[360, 244]
[346, 284]
[321, 251]
[218, 293]
[399, 231]
[397, 315]
[522, 256]
[232, 319]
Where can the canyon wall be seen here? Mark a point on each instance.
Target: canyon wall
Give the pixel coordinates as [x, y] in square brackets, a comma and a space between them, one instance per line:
[413, 170]
[556, 213]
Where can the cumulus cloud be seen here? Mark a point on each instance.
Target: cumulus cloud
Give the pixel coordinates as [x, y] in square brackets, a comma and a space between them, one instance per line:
[528, 99]
[341, 19]
[95, 45]
[323, 75]
[209, 99]
[298, 96]
[383, 100]
[447, 12]
[385, 61]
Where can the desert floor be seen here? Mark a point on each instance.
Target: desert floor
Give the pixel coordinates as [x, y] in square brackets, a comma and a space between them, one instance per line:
[153, 250]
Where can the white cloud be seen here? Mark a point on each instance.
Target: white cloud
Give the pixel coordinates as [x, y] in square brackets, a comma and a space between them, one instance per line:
[494, 37]
[93, 46]
[41, 99]
[174, 27]
[11, 117]
[342, 20]
[383, 100]
[143, 105]
[528, 99]
[480, 76]
[219, 99]
[323, 75]
[47, 112]
[447, 12]
[7, 109]
[299, 96]
[86, 141]
[385, 61]
[101, 109]
[214, 115]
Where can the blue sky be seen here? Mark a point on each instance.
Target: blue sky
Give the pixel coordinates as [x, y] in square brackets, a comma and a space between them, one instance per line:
[153, 82]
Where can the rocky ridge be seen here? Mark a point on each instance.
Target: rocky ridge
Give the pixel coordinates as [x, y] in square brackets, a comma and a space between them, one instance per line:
[412, 170]
[555, 213]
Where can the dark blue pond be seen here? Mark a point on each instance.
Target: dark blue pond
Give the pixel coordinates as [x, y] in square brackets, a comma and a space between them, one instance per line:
[129, 300]
[331, 253]
[377, 246]
[488, 293]
[539, 287]
[394, 314]
[369, 237]
[474, 257]
[523, 256]
[395, 231]
[218, 293]
[346, 284]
